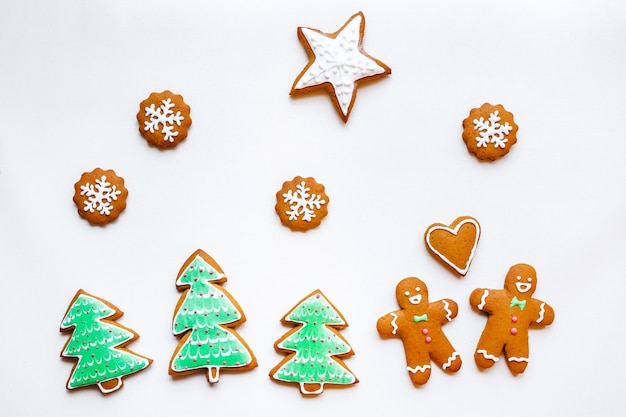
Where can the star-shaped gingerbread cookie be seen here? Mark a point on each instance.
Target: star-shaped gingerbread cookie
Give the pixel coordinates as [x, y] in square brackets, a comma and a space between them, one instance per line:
[337, 63]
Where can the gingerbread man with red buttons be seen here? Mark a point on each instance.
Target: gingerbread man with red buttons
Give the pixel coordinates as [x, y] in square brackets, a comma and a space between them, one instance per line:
[511, 312]
[418, 323]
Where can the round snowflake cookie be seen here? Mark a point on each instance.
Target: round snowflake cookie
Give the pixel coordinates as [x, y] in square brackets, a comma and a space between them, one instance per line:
[489, 132]
[100, 196]
[164, 119]
[301, 204]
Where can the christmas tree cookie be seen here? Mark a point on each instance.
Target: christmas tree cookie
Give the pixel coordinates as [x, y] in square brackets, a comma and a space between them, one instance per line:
[205, 316]
[99, 344]
[315, 348]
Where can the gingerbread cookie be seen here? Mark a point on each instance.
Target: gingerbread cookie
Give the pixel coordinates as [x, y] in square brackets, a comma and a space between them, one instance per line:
[315, 348]
[489, 132]
[511, 312]
[337, 64]
[164, 119]
[205, 317]
[100, 196]
[99, 344]
[418, 323]
[301, 204]
[454, 244]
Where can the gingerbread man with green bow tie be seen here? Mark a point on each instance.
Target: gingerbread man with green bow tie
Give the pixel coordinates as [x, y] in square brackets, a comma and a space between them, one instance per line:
[511, 312]
[418, 323]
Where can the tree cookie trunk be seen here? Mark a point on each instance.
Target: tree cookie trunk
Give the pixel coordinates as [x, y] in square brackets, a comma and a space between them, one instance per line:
[311, 388]
[213, 375]
[110, 385]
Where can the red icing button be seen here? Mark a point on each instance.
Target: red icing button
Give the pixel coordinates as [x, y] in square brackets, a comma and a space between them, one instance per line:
[424, 331]
[514, 319]
[428, 339]
[513, 331]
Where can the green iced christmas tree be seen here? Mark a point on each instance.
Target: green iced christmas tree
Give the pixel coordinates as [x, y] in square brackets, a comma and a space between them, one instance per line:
[99, 344]
[315, 347]
[205, 315]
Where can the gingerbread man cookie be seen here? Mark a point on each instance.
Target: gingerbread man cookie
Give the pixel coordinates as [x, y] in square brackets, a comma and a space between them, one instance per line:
[418, 323]
[511, 312]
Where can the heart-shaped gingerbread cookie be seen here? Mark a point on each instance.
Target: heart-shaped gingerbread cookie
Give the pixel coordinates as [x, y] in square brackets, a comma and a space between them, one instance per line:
[454, 244]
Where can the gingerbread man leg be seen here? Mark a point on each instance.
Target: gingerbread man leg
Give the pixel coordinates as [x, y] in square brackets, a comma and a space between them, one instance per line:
[447, 358]
[488, 350]
[516, 356]
[419, 368]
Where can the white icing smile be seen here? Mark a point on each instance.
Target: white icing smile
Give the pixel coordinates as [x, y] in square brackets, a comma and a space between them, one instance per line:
[523, 287]
[416, 299]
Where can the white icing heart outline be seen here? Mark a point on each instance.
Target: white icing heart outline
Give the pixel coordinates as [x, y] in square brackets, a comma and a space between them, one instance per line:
[455, 232]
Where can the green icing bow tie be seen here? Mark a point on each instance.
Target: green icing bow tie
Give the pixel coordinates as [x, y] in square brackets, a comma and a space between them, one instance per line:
[423, 317]
[518, 303]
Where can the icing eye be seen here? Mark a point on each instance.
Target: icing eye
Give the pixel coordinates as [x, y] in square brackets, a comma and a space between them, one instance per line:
[418, 289]
[519, 278]
[407, 293]
[530, 280]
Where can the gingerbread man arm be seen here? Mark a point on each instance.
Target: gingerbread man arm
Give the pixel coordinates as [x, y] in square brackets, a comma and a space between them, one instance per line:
[443, 310]
[545, 313]
[486, 300]
[387, 325]
[478, 298]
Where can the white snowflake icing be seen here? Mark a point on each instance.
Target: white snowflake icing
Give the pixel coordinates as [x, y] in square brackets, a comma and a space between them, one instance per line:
[99, 196]
[492, 131]
[302, 203]
[163, 116]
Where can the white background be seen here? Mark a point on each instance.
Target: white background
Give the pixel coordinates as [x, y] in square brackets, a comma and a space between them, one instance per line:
[72, 75]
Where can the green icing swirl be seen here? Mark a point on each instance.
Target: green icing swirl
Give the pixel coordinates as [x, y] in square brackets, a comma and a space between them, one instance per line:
[94, 342]
[314, 345]
[205, 308]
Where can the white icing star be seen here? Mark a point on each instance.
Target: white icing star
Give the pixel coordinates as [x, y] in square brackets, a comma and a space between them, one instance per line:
[337, 61]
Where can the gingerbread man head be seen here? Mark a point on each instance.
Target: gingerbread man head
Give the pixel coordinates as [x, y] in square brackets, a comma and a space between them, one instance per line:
[412, 294]
[521, 280]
